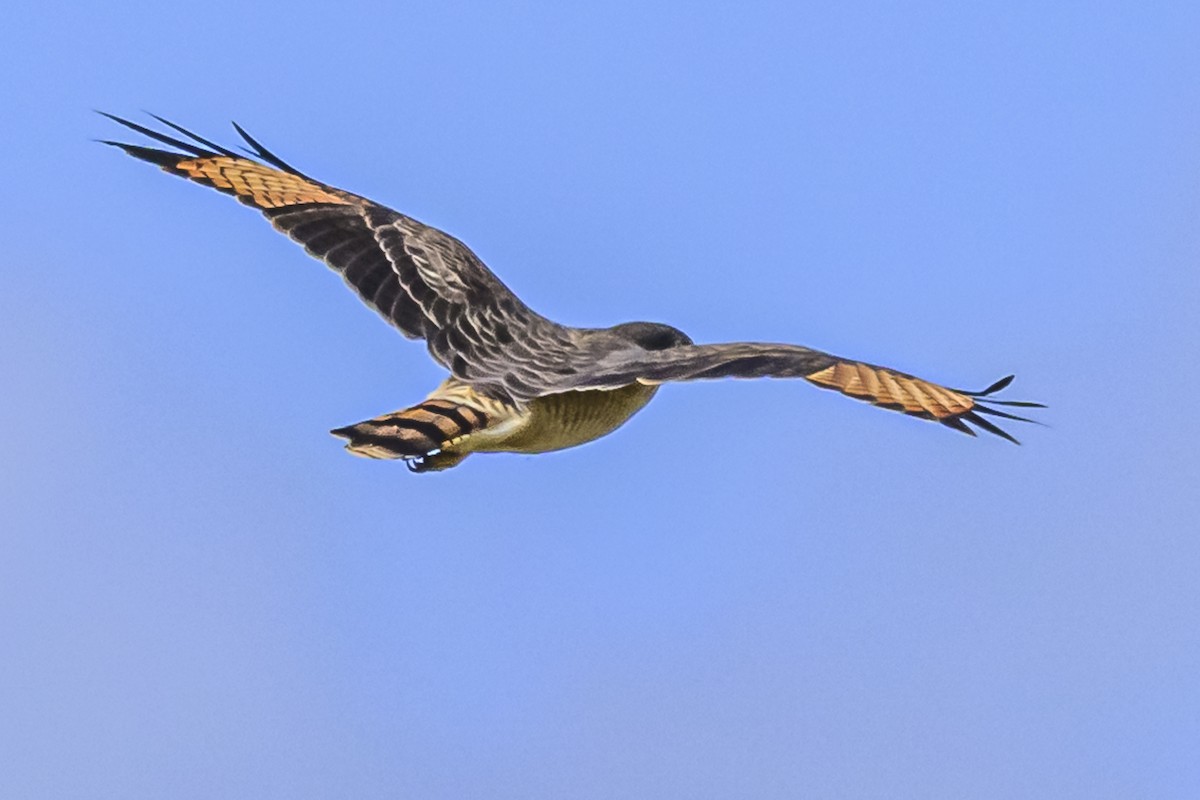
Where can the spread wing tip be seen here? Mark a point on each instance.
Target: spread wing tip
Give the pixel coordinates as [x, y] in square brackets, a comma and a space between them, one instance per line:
[192, 149]
[973, 416]
[212, 146]
[197, 147]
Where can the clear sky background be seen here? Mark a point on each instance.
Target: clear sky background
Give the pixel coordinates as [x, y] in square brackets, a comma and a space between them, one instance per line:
[755, 589]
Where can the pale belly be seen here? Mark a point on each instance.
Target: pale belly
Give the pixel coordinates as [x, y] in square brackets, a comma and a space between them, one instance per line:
[564, 420]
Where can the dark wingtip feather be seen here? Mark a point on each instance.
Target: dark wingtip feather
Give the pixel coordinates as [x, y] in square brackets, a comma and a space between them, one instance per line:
[958, 425]
[982, 409]
[1018, 403]
[163, 158]
[995, 387]
[983, 424]
[187, 147]
[194, 137]
[266, 154]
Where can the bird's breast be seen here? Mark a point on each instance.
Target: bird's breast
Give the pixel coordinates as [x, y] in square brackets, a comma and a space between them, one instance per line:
[558, 421]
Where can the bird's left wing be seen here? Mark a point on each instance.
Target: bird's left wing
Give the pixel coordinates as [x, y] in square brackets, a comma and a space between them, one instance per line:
[880, 386]
[421, 279]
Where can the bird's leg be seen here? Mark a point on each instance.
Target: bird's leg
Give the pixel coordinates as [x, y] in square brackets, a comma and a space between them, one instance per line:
[434, 462]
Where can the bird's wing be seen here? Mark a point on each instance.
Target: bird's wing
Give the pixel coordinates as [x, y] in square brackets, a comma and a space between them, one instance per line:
[881, 386]
[477, 328]
[422, 280]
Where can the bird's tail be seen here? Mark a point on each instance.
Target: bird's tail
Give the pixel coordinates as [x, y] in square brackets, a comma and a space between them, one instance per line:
[423, 433]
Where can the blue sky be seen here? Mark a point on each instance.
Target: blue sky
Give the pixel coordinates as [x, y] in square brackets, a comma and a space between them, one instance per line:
[755, 589]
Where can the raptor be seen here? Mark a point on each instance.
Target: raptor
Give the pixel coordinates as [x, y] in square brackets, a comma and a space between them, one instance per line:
[518, 382]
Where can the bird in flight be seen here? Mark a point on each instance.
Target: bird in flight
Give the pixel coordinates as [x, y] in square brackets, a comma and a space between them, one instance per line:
[518, 382]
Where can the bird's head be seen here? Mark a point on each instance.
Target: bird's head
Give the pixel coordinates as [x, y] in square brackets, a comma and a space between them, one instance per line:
[652, 335]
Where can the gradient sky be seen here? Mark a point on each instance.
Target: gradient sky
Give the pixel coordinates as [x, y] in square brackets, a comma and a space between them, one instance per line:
[755, 589]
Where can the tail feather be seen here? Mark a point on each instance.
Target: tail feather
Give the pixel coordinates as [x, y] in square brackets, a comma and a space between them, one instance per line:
[420, 432]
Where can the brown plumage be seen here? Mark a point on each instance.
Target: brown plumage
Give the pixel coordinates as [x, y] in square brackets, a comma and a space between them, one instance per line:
[519, 382]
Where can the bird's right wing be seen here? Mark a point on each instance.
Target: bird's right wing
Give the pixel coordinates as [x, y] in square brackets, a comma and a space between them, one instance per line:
[880, 386]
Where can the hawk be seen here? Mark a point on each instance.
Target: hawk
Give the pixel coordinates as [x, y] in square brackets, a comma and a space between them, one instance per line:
[518, 382]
